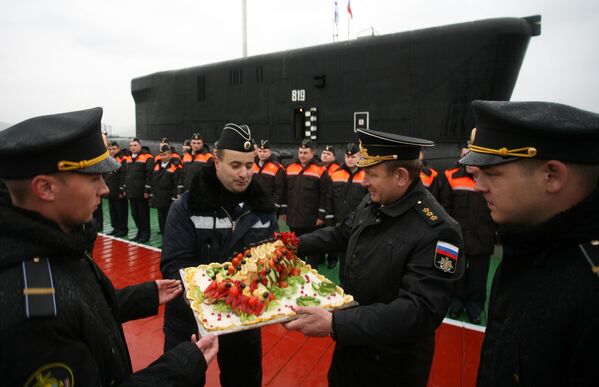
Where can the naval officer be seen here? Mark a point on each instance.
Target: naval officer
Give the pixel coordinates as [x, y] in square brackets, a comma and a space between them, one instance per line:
[537, 166]
[61, 317]
[403, 258]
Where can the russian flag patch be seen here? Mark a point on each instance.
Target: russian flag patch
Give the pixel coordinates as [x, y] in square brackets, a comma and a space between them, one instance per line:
[446, 257]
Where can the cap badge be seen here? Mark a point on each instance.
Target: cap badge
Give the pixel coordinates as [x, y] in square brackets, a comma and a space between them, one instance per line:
[368, 160]
[472, 136]
[247, 145]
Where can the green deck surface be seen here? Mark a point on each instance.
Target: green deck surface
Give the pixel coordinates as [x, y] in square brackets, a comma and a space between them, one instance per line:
[332, 274]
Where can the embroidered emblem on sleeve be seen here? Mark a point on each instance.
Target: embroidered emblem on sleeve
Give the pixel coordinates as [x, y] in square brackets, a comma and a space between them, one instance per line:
[446, 257]
[52, 374]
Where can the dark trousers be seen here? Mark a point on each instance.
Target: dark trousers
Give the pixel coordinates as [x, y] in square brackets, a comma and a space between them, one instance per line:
[471, 290]
[140, 210]
[239, 354]
[119, 209]
[162, 214]
[364, 366]
[313, 260]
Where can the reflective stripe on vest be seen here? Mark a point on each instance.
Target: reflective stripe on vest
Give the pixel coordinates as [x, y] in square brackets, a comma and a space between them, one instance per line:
[333, 167]
[202, 158]
[462, 183]
[140, 158]
[269, 168]
[172, 168]
[426, 179]
[342, 176]
[313, 170]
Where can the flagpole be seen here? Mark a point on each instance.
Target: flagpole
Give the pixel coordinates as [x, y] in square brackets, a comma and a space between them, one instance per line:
[244, 27]
[348, 22]
[335, 21]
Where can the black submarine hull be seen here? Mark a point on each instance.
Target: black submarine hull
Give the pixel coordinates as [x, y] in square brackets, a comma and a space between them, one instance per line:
[417, 83]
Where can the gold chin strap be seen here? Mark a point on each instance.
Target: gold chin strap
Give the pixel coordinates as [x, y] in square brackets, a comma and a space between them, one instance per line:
[367, 160]
[64, 165]
[528, 151]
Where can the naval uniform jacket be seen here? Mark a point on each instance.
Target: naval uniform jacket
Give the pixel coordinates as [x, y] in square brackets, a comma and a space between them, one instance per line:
[543, 324]
[470, 209]
[395, 273]
[271, 175]
[164, 184]
[346, 191]
[192, 163]
[431, 180]
[114, 179]
[199, 230]
[83, 344]
[308, 190]
[138, 175]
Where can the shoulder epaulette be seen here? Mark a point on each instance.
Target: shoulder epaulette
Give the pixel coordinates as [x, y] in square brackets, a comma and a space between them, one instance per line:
[40, 298]
[427, 213]
[590, 250]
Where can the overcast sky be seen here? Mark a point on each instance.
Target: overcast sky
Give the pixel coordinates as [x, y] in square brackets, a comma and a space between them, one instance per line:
[64, 55]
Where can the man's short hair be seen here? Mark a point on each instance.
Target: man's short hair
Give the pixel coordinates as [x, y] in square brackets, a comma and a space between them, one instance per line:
[412, 166]
[114, 143]
[135, 139]
[19, 189]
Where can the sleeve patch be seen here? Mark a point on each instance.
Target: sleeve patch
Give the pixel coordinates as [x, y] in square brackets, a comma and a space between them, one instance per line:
[446, 257]
[52, 374]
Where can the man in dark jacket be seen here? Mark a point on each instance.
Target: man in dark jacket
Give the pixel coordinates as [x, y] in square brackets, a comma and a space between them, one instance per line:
[470, 209]
[328, 159]
[538, 168]
[224, 212]
[61, 320]
[346, 193]
[198, 157]
[307, 200]
[138, 176]
[117, 204]
[403, 260]
[270, 174]
[164, 184]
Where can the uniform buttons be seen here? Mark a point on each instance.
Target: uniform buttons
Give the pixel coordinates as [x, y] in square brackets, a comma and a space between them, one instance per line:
[516, 378]
[113, 351]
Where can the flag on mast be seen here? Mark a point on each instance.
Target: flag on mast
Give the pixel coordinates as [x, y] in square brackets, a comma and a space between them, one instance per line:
[349, 9]
[336, 15]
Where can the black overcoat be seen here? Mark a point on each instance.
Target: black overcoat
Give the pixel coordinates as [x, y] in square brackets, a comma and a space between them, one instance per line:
[543, 320]
[403, 295]
[84, 343]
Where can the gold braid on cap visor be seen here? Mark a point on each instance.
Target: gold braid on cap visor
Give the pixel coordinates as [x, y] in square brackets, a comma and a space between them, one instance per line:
[528, 151]
[64, 165]
[367, 160]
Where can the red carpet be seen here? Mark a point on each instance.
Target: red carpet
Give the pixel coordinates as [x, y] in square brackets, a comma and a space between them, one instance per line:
[289, 358]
